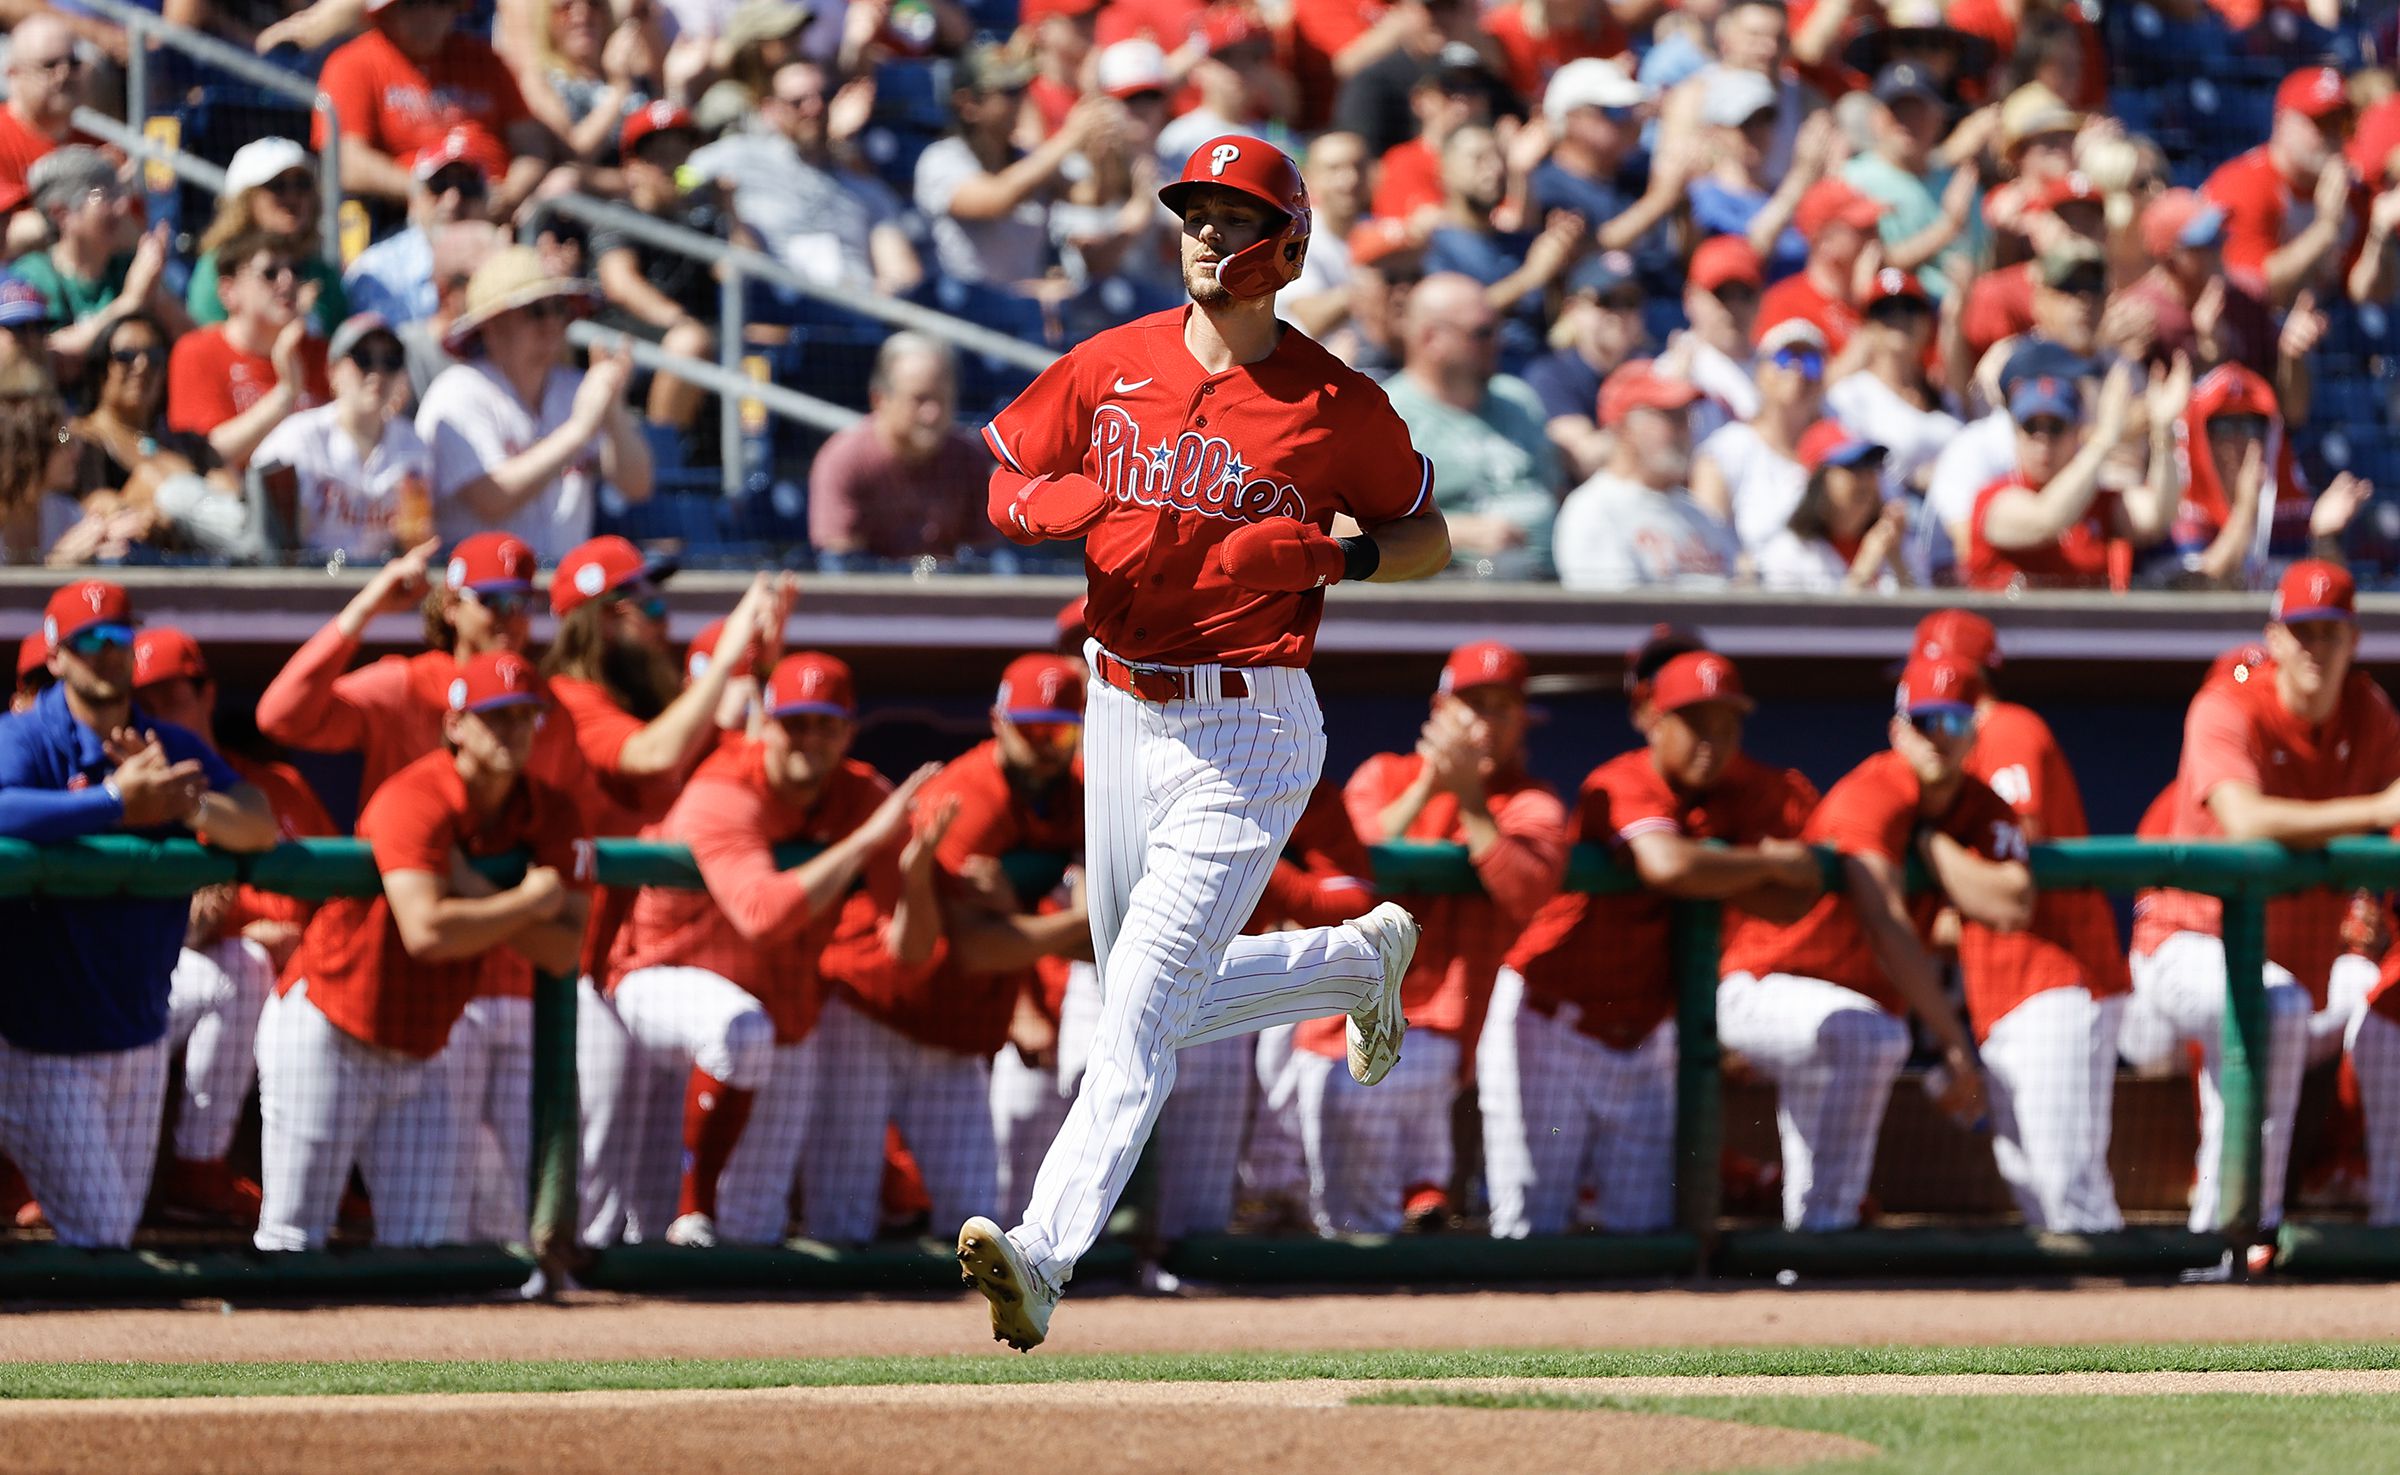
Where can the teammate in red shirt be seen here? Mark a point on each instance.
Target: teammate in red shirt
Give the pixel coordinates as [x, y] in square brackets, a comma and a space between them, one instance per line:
[2047, 525]
[718, 990]
[1818, 1005]
[2045, 1001]
[2302, 749]
[347, 1050]
[1583, 1072]
[1202, 454]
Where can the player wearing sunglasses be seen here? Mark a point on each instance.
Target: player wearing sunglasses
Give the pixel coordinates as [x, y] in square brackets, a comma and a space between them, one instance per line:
[1819, 1006]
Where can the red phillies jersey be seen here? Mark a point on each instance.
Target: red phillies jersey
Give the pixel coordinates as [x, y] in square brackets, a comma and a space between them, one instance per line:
[1462, 938]
[1796, 297]
[1186, 457]
[937, 1002]
[2240, 733]
[2073, 938]
[1608, 955]
[751, 926]
[359, 975]
[2263, 211]
[2078, 560]
[397, 105]
[298, 816]
[1873, 811]
[620, 805]
[1323, 876]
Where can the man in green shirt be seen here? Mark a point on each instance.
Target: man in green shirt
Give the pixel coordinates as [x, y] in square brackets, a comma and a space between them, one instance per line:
[101, 266]
[1930, 221]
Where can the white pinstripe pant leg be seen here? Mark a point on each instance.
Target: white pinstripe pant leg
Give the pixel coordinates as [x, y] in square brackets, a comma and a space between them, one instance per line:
[1273, 1165]
[674, 1019]
[2051, 1065]
[864, 1079]
[213, 1006]
[1187, 806]
[1833, 1054]
[1367, 1147]
[84, 1131]
[2375, 1054]
[1632, 1103]
[754, 1193]
[1535, 1126]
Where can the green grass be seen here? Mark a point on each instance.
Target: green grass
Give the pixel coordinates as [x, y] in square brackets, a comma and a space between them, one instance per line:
[2197, 1434]
[190, 1380]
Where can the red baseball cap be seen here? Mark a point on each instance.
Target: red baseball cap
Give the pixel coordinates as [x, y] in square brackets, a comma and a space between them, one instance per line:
[164, 653]
[1956, 635]
[1695, 678]
[1637, 385]
[1893, 284]
[2074, 187]
[495, 679]
[1485, 663]
[1723, 259]
[1371, 241]
[84, 604]
[599, 565]
[658, 117]
[491, 563]
[1040, 688]
[2373, 140]
[810, 682]
[2312, 92]
[33, 653]
[1937, 684]
[2234, 389]
[2314, 589]
[1830, 443]
[2181, 218]
[703, 650]
[468, 144]
[1835, 201]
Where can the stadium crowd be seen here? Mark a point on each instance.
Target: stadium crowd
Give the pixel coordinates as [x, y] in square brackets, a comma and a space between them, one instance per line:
[1844, 295]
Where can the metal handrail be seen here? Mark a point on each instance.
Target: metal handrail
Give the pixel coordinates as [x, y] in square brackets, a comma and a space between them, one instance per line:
[730, 384]
[192, 167]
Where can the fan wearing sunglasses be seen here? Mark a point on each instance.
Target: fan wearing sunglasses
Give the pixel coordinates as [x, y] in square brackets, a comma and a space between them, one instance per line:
[1820, 1006]
[363, 477]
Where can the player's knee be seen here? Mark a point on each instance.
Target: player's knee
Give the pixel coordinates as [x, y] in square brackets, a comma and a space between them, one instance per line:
[1863, 1039]
[742, 1058]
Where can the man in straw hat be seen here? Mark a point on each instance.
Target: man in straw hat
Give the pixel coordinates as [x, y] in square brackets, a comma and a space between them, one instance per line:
[512, 390]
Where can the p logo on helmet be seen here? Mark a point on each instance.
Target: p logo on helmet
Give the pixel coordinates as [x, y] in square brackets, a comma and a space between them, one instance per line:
[1220, 156]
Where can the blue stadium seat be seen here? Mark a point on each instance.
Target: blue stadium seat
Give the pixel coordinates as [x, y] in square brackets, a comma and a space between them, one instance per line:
[692, 519]
[913, 94]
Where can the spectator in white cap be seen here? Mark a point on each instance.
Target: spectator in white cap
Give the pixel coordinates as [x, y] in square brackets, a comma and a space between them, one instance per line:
[270, 185]
[1591, 106]
[101, 266]
[363, 480]
[1748, 474]
[450, 181]
[1743, 194]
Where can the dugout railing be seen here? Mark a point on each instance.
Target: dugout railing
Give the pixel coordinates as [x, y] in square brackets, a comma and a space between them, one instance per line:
[2244, 875]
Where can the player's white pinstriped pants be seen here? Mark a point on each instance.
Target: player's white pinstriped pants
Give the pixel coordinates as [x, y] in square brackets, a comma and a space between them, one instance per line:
[2374, 1043]
[328, 1100]
[213, 1009]
[84, 1131]
[1833, 1054]
[492, 1072]
[1555, 1099]
[1367, 1147]
[1187, 804]
[2178, 995]
[940, 1100]
[2050, 1072]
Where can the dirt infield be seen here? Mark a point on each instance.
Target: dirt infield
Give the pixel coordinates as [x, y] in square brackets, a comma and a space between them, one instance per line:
[595, 1326]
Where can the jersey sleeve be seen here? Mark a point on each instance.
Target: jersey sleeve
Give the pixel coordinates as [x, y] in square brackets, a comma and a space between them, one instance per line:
[2379, 738]
[1868, 813]
[1388, 477]
[1046, 430]
[602, 728]
[347, 83]
[2219, 744]
[985, 824]
[1525, 866]
[1618, 807]
[408, 829]
[1371, 789]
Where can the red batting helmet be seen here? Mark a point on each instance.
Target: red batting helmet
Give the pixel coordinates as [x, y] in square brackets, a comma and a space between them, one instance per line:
[1261, 171]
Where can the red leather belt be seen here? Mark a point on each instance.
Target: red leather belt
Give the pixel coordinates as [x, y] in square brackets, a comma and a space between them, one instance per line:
[1167, 683]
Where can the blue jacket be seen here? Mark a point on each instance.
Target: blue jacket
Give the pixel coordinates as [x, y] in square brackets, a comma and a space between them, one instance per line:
[84, 974]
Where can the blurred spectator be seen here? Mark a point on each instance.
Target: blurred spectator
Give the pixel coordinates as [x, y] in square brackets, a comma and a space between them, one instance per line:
[1633, 524]
[592, 65]
[394, 278]
[1240, 89]
[1108, 222]
[1064, 39]
[668, 297]
[2293, 217]
[1720, 302]
[1599, 327]
[406, 82]
[1495, 474]
[1590, 108]
[1998, 21]
[795, 181]
[2187, 291]
[362, 480]
[1336, 173]
[137, 478]
[2045, 524]
[2236, 455]
[2037, 147]
[1986, 450]
[759, 37]
[1741, 195]
[1751, 36]
[521, 442]
[905, 482]
[1838, 223]
[1888, 401]
[1928, 192]
[2001, 303]
[234, 381]
[1748, 474]
[46, 79]
[1385, 266]
[36, 471]
[2070, 289]
[25, 323]
[101, 266]
[1408, 105]
[1844, 538]
[988, 200]
[460, 249]
[874, 31]
[1516, 268]
[1541, 38]
[271, 185]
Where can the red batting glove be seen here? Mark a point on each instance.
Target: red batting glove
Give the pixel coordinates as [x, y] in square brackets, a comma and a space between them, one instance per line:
[1044, 507]
[1282, 554]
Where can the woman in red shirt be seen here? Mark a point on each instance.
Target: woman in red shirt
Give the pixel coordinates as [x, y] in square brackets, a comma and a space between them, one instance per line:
[2048, 524]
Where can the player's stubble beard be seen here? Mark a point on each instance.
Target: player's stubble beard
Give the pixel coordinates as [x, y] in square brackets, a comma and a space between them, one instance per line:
[1200, 281]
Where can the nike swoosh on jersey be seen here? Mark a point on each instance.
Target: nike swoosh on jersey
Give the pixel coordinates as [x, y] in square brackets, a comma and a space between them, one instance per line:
[1124, 387]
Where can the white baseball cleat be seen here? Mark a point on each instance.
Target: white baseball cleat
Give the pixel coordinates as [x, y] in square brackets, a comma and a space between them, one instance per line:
[1021, 1303]
[693, 1232]
[1374, 1030]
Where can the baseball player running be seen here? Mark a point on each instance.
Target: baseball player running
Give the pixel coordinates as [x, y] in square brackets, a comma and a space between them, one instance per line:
[1585, 1069]
[1203, 454]
[83, 1024]
[1817, 1006]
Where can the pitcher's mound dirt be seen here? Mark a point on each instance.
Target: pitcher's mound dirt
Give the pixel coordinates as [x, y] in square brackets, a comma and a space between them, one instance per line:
[1203, 1429]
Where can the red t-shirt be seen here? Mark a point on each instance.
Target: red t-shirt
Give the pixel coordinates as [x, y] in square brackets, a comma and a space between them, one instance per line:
[1531, 58]
[1320, 31]
[20, 148]
[1798, 297]
[360, 976]
[937, 1002]
[2073, 939]
[2077, 560]
[1186, 457]
[1608, 955]
[1462, 939]
[2239, 732]
[751, 926]
[1873, 811]
[1323, 876]
[2263, 210]
[1999, 305]
[1988, 19]
[396, 106]
[1408, 180]
[209, 381]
